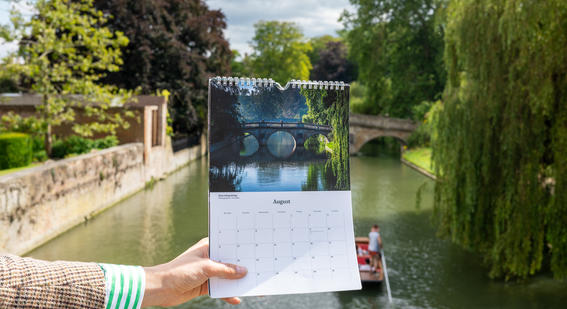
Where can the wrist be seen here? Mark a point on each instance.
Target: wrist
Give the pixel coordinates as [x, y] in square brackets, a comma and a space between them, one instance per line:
[155, 291]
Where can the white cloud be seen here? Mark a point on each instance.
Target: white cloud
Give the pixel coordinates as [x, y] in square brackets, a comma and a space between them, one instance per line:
[25, 8]
[315, 17]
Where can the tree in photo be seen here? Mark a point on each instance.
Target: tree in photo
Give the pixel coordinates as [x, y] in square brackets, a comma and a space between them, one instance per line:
[226, 120]
[175, 45]
[500, 150]
[330, 107]
[64, 52]
[280, 52]
[398, 46]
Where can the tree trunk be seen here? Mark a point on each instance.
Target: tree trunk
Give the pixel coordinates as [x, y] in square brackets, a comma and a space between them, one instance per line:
[47, 140]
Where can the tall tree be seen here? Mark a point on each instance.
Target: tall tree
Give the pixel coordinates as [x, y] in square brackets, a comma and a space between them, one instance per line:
[65, 52]
[240, 66]
[175, 45]
[502, 134]
[280, 52]
[399, 52]
[332, 64]
[319, 43]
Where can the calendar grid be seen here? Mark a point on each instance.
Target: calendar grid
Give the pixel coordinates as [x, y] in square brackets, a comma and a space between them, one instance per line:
[301, 244]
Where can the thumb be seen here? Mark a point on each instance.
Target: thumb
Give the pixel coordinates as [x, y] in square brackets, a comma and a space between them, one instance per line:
[224, 270]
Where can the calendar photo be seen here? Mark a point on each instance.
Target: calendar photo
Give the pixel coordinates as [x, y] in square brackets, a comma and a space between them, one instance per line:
[263, 138]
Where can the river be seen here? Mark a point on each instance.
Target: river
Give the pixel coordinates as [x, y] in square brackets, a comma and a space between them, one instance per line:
[156, 224]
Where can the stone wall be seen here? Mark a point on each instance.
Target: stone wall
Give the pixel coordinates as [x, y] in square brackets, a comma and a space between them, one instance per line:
[39, 203]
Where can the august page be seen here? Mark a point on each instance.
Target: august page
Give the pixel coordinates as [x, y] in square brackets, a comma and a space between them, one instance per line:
[279, 187]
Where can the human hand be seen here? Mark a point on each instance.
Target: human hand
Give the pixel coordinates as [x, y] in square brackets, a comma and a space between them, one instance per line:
[186, 277]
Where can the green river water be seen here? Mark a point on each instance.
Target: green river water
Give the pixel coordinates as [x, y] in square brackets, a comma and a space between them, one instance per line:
[157, 224]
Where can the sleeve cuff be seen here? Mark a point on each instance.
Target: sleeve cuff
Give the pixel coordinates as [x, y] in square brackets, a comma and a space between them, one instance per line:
[124, 286]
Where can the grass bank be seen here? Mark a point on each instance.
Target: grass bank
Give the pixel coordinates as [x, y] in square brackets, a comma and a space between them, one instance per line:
[420, 157]
[15, 169]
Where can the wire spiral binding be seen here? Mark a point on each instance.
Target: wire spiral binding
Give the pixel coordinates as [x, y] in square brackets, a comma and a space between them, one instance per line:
[314, 84]
[259, 82]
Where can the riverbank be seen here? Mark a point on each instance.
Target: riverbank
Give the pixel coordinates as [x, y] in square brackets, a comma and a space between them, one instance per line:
[420, 160]
[156, 225]
[39, 203]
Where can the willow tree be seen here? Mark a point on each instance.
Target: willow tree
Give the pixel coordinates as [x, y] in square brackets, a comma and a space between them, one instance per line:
[501, 149]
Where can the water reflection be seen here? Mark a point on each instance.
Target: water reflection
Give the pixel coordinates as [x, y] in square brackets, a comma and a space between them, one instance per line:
[280, 165]
[281, 144]
[249, 146]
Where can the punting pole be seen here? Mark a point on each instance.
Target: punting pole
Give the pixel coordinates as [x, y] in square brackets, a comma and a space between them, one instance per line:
[386, 276]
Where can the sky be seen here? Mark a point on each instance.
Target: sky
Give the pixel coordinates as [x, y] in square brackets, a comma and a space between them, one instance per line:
[315, 17]
[5, 7]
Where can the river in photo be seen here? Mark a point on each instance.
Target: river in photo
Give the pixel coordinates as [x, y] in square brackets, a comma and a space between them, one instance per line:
[280, 165]
[155, 225]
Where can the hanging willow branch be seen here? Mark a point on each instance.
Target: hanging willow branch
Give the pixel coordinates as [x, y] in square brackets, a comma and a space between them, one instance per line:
[501, 148]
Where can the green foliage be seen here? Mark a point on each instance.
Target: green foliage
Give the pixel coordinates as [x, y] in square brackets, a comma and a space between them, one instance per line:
[226, 122]
[357, 98]
[106, 142]
[8, 84]
[280, 52]
[38, 147]
[398, 47]
[426, 115]
[241, 66]
[315, 143]
[15, 150]
[421, 137]
[16, 123]
[287, 104]
[502, 134]
[318, 44]
[74, 145]
[331, 107]
[12, 122]
[65, 52]
[175, 45]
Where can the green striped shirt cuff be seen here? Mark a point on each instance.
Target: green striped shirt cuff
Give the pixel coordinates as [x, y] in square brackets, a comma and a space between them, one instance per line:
[124, 286]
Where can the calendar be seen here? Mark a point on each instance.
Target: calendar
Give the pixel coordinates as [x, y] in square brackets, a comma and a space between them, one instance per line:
[279, 187]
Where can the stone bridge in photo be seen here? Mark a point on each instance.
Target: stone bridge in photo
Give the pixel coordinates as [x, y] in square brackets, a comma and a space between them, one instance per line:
[300, 131]
[364, 128]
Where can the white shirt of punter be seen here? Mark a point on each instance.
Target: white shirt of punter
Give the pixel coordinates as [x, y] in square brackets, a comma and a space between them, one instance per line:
[373, 244]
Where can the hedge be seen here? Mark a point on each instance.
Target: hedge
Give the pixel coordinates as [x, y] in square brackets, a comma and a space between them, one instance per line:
[77, 145]
[15, 150]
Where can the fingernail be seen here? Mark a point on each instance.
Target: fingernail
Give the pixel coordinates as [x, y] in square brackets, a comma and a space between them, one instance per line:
[241, 269]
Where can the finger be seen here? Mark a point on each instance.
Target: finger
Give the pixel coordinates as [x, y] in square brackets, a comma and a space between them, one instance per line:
[232, 300]
[222, 270]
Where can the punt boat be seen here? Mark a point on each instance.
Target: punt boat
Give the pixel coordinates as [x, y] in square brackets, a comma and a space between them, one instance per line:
[363, 256]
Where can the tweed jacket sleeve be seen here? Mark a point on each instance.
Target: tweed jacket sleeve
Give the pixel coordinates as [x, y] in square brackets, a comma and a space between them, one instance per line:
[30, 283]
